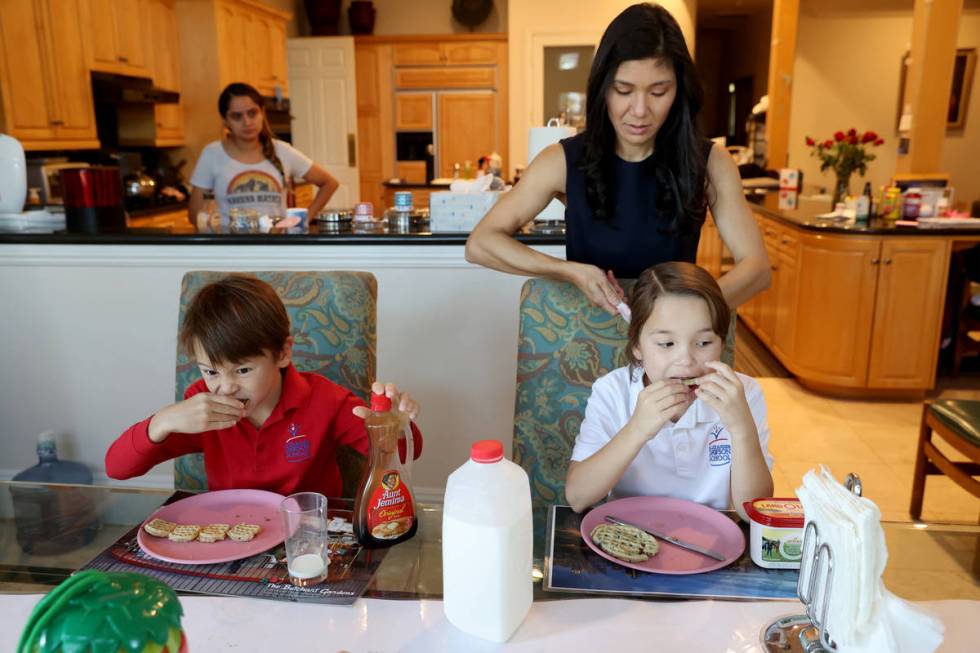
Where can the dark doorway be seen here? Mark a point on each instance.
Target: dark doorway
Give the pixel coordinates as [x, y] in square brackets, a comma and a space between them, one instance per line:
[740, 104]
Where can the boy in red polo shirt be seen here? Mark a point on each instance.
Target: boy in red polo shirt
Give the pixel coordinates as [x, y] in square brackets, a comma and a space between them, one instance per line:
[260, 423]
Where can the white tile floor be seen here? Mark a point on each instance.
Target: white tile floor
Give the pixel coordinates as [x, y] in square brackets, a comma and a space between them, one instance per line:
[875, 439]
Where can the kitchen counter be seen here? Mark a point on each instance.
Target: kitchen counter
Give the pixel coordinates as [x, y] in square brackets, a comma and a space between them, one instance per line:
[318, 233]
[804, 217]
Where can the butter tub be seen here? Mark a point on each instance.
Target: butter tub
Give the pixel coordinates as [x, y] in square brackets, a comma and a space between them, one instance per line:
[776, 532]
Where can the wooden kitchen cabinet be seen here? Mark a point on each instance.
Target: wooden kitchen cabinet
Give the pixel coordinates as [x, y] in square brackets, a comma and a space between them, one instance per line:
[452, 85]
[837, 281]
[468, 128]
[46, 93]
[446, 53]
[118, 32]
[912, 274]
[165, 69]
[413, 112]
[375, 127]
[252, 45]
[851, 312]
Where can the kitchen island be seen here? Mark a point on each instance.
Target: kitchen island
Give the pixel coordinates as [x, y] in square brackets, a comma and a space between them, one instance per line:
[91, 322]
[853, 309]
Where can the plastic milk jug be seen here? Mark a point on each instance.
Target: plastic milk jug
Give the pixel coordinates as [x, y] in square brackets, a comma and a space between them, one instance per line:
[487, 544]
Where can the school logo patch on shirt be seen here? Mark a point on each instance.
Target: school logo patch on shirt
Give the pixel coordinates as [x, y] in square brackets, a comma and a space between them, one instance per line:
[719, 447]
[297, 445]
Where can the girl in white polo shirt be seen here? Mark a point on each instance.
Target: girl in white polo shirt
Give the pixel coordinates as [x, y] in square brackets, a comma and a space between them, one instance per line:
[676, 421]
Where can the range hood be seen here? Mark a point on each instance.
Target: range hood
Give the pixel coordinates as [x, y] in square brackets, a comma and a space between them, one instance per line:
[123, 89]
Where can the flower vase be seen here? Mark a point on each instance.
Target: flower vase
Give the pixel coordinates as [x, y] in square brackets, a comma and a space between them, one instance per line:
[842, 189]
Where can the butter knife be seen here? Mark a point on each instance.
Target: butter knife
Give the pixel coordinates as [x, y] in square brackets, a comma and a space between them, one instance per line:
[670, 538]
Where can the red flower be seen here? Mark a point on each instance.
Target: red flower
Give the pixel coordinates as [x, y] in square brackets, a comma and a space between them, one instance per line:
[852, 139]
[852, 132]
[838, 136]
[810, 141]
[880, 141]
[869, 137]
[828, 143]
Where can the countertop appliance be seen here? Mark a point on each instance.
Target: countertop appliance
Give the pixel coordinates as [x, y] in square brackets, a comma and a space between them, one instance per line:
[93, 199]
[45, 175]
[13, 175]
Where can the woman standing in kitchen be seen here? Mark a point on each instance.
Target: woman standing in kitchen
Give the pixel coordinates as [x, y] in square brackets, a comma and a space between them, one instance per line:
[637, 182]
[248, 168]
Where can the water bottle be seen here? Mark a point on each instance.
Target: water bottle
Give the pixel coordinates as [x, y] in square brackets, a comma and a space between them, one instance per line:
[54, 519]
[487, 544]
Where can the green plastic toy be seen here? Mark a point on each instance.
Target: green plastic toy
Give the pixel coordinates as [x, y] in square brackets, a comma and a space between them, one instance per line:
[99, 612]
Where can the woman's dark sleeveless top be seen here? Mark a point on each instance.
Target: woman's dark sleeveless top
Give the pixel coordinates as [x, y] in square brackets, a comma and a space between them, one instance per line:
[633, 238]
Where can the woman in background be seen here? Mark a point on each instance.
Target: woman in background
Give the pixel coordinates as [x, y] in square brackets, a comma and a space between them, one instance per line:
[637, 182]
[248, 168]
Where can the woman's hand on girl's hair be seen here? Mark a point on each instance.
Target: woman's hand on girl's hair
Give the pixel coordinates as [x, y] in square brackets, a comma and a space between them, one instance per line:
[723, 391]
[402, 403]
[602, 290]
[656, 404]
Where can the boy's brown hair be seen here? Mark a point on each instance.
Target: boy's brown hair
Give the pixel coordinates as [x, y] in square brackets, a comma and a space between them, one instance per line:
[235, 318]
[674, 278]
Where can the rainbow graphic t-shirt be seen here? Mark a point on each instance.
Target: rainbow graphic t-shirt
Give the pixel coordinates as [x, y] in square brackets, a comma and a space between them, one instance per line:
[248, 186]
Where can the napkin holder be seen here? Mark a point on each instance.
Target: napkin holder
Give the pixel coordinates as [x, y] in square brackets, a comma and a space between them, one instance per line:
[807, 633]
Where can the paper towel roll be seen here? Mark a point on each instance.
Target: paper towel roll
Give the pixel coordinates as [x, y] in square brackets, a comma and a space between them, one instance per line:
[541, 137]
[538, 139]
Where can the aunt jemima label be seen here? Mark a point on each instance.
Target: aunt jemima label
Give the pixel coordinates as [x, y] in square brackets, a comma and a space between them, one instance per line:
[390, 511]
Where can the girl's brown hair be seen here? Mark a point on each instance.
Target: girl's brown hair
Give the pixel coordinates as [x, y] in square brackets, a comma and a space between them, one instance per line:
[240, 89]
[674, 278]
[235, 318]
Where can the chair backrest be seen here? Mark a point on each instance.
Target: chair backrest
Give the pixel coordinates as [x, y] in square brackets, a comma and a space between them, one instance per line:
[333, 322]
[565, 342]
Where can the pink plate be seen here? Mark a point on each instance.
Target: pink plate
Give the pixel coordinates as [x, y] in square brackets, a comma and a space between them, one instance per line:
[685, 520]
[220, 507]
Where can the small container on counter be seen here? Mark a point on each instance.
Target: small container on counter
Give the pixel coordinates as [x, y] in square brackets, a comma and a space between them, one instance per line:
[912, 204]
[776, 532]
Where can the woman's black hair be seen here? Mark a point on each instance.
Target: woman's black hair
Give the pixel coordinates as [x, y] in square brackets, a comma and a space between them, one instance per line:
[240, 89]
[647, 31]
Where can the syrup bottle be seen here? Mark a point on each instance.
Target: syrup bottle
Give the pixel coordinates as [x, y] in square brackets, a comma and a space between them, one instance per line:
[384, 508]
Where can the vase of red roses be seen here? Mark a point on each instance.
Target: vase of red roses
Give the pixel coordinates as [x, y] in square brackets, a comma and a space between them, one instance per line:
[846, 153]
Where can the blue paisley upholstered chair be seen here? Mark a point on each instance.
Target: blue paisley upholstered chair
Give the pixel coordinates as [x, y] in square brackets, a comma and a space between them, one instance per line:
[565, 342]
[333, 322]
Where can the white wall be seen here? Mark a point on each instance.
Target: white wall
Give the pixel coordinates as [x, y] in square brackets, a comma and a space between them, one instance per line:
[525, 20]
[90, 341]
[855, 83]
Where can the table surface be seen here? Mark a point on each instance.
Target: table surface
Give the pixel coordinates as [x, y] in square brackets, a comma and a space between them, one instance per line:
[926, 562]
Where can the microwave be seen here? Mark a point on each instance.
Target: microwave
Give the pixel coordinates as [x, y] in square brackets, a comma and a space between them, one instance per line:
[46, 177]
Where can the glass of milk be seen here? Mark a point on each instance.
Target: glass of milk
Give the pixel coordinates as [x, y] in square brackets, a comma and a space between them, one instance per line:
[304, 518]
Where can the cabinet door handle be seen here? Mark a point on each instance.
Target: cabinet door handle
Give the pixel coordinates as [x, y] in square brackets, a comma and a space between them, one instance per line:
[888, 261]
[875, 261]
[123, 59]
[57, 123]
[351, 150]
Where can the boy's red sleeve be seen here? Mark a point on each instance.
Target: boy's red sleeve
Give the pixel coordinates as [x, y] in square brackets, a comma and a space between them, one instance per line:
[134, 454]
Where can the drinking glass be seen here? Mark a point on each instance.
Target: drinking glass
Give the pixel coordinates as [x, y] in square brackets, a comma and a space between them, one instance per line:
[304, 517]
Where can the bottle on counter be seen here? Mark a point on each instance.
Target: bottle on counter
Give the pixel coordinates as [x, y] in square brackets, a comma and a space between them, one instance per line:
[868, 203]
[384, 507]
[487, 548]
[891, 205]
[457, 170]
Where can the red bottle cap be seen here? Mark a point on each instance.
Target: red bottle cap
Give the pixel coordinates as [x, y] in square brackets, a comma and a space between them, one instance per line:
[487, 451]
[380, 403]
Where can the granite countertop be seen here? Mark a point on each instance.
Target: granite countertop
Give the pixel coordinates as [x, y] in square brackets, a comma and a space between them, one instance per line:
[804, 217]
[317, 234]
